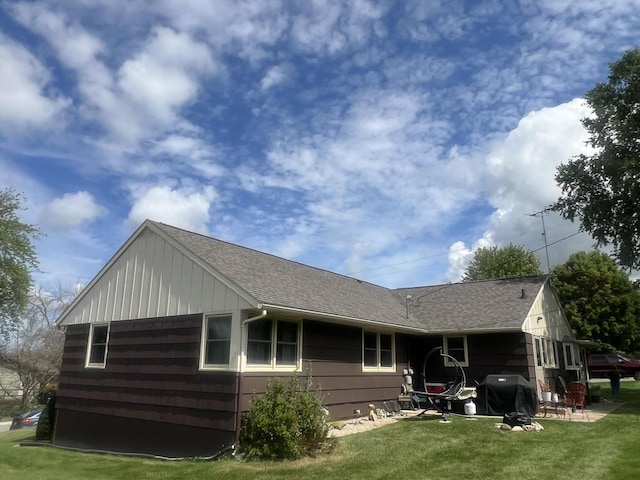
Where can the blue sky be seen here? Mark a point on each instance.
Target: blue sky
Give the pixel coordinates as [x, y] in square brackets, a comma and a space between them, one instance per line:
[385, 140]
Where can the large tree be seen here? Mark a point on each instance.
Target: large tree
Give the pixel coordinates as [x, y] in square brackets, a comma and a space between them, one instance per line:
[602, 189]
[600, 301]
[34, 347]
[493, 262]
[17, 259]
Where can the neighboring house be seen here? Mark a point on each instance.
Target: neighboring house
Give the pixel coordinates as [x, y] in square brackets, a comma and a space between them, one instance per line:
[10, 385]
[166, 346]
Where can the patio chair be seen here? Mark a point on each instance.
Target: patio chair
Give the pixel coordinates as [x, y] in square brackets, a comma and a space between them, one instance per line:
[576, 396]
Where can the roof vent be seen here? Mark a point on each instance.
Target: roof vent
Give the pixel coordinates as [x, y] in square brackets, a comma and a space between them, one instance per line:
[522, 294]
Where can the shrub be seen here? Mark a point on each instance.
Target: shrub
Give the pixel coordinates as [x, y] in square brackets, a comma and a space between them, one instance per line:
[11, 408]
[47, 397]
[288, 421]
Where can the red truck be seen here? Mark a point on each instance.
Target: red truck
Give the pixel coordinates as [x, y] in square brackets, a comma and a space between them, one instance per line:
[600, 364]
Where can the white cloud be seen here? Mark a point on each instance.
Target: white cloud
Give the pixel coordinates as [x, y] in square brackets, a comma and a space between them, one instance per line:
[192, 153]
[184, 208]
[275, 76]
[163, 77]
[24, 97]
[76, 47]
[520, 173]
[522, 168]
[141, 99]
[71, 210]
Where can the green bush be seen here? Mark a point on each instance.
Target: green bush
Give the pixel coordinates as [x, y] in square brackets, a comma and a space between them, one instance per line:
[13, 408]
[288, 421]
[44, 430]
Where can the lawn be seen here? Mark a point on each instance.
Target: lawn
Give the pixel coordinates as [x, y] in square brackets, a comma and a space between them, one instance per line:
[417, 448]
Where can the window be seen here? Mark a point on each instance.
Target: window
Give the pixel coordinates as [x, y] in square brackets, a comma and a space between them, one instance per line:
[456, 346]
[378, 351]
[571, 356]
[546, 352]
[97, 348]
[217, 342]
[539, 352]
[273, 343]
[550, 353]
[287, 343]
[370, 349]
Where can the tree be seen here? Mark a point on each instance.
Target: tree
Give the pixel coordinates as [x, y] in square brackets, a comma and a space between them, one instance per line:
[510, 261]
[17, 259]
[600, 301]
[602, 190]
[34, 349]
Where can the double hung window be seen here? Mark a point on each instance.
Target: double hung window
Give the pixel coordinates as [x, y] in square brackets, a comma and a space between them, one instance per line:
[273, 343]
[377, 351]
[571, 356]
[456, 346]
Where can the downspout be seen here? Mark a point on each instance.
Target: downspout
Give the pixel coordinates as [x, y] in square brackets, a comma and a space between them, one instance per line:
[257, 317]
[262, 315]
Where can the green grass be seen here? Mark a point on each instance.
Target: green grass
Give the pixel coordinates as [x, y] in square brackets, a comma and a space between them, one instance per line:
[415, 448]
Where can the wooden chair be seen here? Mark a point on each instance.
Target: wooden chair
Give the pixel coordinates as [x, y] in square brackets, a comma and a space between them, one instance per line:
[576, 396]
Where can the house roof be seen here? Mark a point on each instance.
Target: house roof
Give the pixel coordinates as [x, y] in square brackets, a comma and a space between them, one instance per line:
[274, 281]
[474, 306]
[283, 283]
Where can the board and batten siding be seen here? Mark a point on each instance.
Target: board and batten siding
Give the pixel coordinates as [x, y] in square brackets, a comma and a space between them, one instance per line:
[153, 278]
[150, 397]
[546, 317]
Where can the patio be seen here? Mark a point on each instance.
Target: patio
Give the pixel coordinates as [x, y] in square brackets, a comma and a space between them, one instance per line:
[592, 413]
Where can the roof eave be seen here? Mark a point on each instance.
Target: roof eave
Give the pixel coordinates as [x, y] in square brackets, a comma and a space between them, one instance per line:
[469, 331]
[344, 319]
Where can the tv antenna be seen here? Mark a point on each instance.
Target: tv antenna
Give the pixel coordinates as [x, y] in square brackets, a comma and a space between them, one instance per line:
[542, 213]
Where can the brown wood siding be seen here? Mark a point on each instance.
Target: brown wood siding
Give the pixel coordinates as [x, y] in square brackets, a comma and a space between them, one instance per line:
[151, 378]
[499, 353]
[110, 433]
[494, 353]
[332, 354]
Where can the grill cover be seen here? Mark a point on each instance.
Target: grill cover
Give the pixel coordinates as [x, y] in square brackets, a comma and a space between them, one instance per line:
[499, 394]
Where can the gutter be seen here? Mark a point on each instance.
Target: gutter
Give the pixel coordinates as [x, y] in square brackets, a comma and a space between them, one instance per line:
[262, 315]
[341, 318]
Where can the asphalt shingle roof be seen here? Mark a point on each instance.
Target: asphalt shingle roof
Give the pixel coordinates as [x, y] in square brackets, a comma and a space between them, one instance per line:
[486, 305]
[277, 281]
[490, 305]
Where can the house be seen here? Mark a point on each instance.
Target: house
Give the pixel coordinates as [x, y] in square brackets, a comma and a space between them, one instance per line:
[10, 385]
[167, 344]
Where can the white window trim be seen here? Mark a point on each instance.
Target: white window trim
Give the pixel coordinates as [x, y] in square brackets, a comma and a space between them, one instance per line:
[550, 349]
[203, 343]
[538, 351]
[575, 354]
[273, 366]
[103, 364]
[447, 361]
[378, 367]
